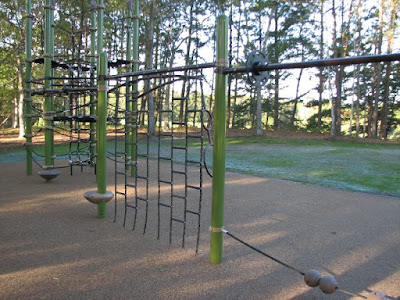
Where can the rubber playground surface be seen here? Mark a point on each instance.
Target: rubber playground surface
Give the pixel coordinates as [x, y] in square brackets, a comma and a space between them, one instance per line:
[53, 246]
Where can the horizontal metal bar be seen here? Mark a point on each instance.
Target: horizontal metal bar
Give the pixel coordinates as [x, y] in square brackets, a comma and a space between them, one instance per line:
[341, 61]
[164, 70]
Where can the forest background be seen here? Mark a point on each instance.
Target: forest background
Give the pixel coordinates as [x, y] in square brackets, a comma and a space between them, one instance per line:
[360, 100]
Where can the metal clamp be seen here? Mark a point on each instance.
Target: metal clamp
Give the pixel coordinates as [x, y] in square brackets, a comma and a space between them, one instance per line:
[214, 229]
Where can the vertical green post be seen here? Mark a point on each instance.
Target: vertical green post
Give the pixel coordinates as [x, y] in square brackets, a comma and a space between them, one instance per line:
[93, 30]
[128, 98]
[101, 130]
[218, 182]
[101, 171]
[135, 68]
[28, 86]
[48, 101]
[100, 29]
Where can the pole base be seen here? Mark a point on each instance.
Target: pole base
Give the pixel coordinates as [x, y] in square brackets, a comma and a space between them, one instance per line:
[49, 174]
[97, 198]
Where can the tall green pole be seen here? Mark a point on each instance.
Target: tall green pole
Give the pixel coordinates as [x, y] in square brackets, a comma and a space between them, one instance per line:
[101, 133]
[128, 105]
[135, 68]
[218, 182]
[28, 86]
[101, 171]
[48, 101]
[93, 30]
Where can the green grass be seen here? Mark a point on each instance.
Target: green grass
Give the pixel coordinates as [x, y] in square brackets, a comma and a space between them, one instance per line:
[344, 164]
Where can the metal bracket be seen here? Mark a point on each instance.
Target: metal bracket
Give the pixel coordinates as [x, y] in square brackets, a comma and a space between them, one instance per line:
[255, 60]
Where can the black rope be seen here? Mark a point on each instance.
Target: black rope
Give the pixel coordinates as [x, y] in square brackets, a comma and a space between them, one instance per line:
[263, 253]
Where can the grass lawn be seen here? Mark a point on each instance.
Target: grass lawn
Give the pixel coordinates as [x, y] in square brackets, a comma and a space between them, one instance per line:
[342, 164]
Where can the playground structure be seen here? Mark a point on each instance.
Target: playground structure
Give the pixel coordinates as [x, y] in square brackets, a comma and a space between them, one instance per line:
[131, 157]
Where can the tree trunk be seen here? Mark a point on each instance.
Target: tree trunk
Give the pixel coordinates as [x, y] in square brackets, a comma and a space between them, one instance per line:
[259, 112]
[276, 97]
[148, 65]
[378, 77]
[321, 76]
[20, 97]
[385, 99]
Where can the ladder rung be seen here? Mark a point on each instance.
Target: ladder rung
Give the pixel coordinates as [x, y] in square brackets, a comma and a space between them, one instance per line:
[193, 212]
[142, 199]
[164, 205]
[178, 220]
[179, 98]
[179, 172]
[194, 136]
[178, 123]
[141, 177]
[120, 173]
[193, 111]
[179, 197]
[130, 185]
[120, 193]
[131, 206]
[193, 162]
[165, 158]
[165, 181]
[179, 147]
[194, 187]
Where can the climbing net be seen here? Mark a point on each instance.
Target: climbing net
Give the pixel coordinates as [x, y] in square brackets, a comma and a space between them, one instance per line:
[71, 86]
[169, 157]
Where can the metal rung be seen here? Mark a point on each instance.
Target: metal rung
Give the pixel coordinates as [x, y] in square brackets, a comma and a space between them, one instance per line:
[131, 206]
[141, 177]
[120, 193]
[193, 136]
[179, 197]
[179, 98]
[179, 172]
[166, 111]
[120, 173]
[193, 111]
[193, 162]
[165, 158]
[178, 220]
[165, 205]
[165, 181]
[194, 187]
[130, 185]
[193, 212]
[142, 199]
[178, 123]
[179, 147]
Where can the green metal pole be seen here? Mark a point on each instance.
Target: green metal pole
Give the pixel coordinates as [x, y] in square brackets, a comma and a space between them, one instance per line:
[101, 130]
[128, 98]
[48, 101]
[101, 171]
[135, 68]
[218, 182]
[93, 30]
[28, 86]
[100, 28]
